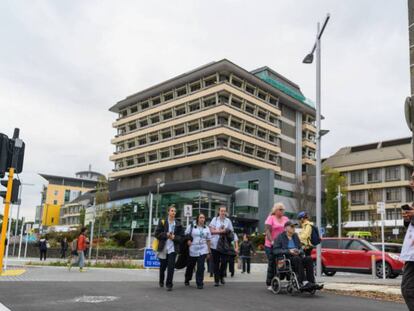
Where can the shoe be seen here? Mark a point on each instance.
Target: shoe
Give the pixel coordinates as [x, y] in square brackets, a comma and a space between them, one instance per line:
[216, 284]
[169, 289]
[222, 281]
[242, 272]
[200, 286]
[248, 272]
[186, 283]
[211, 275]
[269, 288]
[318, 286]
[81, 270]
[161, 285]
[232, 275]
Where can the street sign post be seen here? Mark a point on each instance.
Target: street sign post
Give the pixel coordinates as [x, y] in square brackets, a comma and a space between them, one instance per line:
[188, 212]
[381, 211]
[133, 226]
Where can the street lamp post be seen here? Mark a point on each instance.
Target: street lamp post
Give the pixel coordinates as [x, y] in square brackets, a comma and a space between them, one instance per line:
[308, 60]
[160, 184]
[339, 198]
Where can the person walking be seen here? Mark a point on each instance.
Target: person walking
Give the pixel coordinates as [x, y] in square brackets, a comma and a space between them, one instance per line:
[43, 248]
[199, 236]
[82, 245]
[407, 253]
[234, 250]
[63, 247]
[245, 254]
[222, 231]
[306, 232]
[274, 225]
[169, 234]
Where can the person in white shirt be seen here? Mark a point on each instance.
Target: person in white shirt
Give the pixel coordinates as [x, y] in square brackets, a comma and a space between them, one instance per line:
[221, 228]
[199, 242]
[407, 254]
[170, 234]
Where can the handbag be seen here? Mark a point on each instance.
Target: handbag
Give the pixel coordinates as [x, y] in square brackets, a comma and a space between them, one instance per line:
[184, 255]
[156, 242]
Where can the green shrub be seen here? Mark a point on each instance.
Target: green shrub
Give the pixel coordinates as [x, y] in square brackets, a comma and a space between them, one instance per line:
[121, 237]
[130, 244]
[258, 240]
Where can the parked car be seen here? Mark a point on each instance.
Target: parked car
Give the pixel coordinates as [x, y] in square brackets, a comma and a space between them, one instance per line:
[394, 248]
[354, 255]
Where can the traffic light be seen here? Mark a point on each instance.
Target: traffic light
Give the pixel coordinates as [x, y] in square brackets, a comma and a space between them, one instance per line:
[4, 154]
[15, 191]
[11, 153]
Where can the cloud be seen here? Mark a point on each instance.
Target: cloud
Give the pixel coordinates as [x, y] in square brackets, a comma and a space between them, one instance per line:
[64, 64]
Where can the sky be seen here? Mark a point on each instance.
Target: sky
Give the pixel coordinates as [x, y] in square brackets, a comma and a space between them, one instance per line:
[63, 64]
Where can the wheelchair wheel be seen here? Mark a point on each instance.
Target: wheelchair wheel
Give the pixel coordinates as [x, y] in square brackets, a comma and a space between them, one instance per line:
[276, 285]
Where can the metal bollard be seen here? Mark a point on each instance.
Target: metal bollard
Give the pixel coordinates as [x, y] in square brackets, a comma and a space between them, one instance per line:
[373, 267]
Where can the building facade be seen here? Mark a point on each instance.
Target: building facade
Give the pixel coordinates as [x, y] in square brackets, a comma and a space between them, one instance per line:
[220, 124]
[376, 172]
[61, 190]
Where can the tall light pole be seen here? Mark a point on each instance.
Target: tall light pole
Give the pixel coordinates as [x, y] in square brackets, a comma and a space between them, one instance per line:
[308, 60]
[339, 198]
[160, 184]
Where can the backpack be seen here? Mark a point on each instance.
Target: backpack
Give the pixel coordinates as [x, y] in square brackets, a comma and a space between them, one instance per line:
[315, 238]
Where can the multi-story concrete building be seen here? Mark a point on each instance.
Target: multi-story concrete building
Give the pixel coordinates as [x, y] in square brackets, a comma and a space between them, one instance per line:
[220, 125]
[61, 190]
[376, 172]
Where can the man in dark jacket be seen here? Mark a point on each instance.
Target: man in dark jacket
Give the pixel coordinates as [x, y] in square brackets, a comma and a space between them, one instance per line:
[288, 244]
[169, 234]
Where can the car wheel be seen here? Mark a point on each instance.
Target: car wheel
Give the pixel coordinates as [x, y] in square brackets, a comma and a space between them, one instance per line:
[394, 275]
[329, 272]
[378, 270]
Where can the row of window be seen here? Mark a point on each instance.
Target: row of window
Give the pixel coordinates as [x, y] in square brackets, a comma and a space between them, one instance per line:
[309, 153]
[307, 135]
[199, 146]
[390, 214]
[199, 125]
[362, 197]
[375, 175]
[199, 105]
[196, 86]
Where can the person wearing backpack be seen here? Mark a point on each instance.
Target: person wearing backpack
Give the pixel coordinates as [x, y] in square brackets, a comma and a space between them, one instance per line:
[309, 236]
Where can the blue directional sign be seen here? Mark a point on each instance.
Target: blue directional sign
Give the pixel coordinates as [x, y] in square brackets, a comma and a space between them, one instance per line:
[322, 230]
[150, 259]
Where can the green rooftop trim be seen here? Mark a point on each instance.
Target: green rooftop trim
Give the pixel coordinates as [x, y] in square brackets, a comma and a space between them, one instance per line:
[264, 75]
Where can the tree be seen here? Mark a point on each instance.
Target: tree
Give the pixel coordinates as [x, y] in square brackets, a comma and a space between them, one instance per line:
[333, 179]
[305, 194]
[101, 199]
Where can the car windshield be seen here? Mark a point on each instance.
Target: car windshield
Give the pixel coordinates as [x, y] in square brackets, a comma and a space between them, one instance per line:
[389, 248]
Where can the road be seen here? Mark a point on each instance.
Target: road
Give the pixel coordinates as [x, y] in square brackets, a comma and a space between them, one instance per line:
[44, 296]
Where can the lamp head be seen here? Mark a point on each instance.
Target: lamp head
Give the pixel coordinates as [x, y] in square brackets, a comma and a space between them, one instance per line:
[308, 59]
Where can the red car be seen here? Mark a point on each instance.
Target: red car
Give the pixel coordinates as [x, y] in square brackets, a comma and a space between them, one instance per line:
[354, 255]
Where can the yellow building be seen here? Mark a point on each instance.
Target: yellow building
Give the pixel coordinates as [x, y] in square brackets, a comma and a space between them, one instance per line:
[61, 190]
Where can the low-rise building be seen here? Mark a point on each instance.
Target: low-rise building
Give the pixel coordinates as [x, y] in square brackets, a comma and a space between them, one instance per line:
[375, 172]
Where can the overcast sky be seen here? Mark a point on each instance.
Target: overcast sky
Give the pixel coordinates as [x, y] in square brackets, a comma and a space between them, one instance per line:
[64, 63]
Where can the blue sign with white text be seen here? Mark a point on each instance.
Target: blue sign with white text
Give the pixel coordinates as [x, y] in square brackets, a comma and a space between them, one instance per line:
[150, 259]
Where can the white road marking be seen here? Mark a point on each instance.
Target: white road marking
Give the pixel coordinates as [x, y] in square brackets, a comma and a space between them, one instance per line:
[3, 308]
[95, 299]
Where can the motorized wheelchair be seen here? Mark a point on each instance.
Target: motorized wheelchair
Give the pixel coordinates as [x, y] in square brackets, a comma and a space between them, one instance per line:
[285, 278]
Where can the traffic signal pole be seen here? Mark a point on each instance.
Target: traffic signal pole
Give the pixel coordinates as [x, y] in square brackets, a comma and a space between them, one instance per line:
[6, 216]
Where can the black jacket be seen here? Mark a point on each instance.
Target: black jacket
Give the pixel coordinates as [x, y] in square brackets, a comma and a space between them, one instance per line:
[246, 249]
[280, 245]
[161, 233]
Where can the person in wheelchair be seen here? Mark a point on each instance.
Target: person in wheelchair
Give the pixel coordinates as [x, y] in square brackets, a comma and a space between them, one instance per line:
[288, 245]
